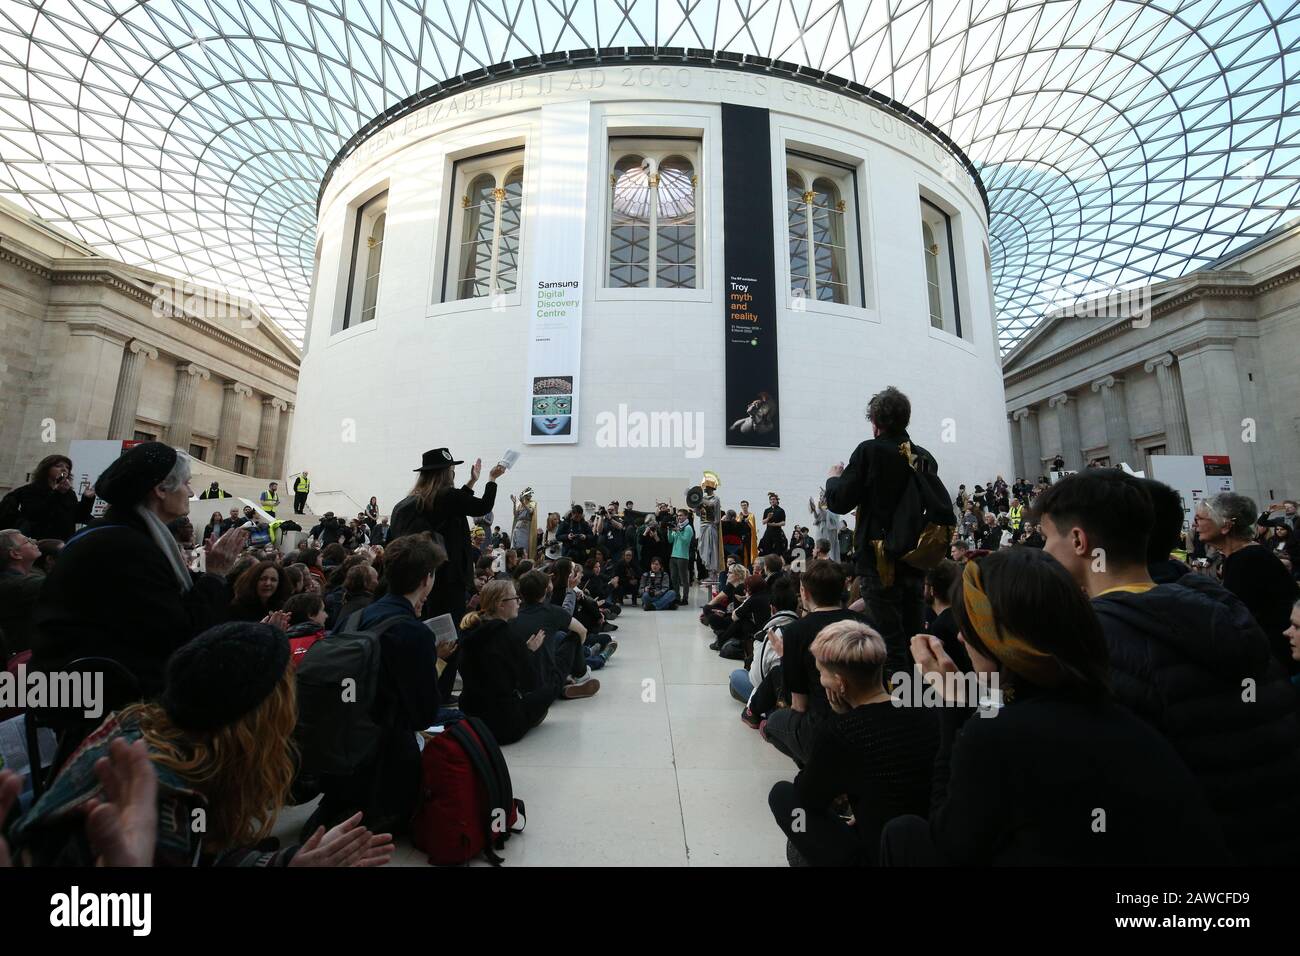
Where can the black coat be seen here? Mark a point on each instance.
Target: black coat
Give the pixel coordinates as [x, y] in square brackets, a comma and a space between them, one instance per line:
[1024, 787]
[497, 668]
[38, 511]
[447, 517]
[578, 547]
[874, 480]
[112, 594]
[1180, 657]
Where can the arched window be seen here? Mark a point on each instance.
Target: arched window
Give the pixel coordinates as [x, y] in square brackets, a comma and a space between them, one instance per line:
[366, 264]
[488, 225]
[370, 296]
[932, 275]
[819, 231]
[652, 215]
[940, 258]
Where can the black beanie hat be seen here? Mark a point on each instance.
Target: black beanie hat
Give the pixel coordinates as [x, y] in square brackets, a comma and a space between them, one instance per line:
[127, 481]
[223, 674]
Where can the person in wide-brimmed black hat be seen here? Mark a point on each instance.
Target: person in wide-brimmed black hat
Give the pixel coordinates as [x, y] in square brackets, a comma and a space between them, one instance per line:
[121, 588]
[436, 505]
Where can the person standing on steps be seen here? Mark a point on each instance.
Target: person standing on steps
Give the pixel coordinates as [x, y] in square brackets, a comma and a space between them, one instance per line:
[270, 499]
[301, 488]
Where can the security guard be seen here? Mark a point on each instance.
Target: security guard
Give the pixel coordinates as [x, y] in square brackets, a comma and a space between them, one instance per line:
[270, 499]
[1016, 514]
[301, 486]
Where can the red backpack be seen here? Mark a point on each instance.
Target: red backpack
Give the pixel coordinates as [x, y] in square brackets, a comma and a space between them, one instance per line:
[466, 804]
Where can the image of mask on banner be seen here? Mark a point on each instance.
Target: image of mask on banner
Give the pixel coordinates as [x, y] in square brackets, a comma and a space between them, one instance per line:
[553, 405]
[759, 418]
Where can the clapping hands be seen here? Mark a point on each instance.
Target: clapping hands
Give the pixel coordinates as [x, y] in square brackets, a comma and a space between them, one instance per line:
[348, 844]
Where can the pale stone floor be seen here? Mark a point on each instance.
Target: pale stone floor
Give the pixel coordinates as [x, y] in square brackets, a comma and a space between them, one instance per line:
[675, 779]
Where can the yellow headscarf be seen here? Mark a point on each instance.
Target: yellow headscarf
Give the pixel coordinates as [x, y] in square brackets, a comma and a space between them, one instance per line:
[1011, 650]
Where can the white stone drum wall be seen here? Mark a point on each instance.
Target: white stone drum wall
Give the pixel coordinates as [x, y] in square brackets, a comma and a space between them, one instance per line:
[426, 373]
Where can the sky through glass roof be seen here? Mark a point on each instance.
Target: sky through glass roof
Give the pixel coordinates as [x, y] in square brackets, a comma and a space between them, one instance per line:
[1119, 142]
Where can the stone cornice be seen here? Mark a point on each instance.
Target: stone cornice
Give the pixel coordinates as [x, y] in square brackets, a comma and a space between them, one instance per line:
[109, 273]
[1206, 286]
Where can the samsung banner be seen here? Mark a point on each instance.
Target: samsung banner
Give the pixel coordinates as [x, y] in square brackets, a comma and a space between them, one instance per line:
[749, 296]
[553, 289]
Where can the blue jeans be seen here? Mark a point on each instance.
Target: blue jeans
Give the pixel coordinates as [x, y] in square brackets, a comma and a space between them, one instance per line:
[661, 603]
[741, 686]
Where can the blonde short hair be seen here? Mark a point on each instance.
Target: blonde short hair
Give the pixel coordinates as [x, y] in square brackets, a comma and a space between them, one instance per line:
[851, 649]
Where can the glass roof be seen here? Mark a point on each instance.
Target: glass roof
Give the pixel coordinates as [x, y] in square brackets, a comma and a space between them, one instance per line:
[1119, 142]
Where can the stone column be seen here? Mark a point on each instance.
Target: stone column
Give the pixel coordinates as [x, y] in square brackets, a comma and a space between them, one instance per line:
[1031, 446]
[1017, 452]
[126, 402]
[1178, 439]
[267, 435]
[232, 420]
[1067, 415]
[181, 427]
[1119, 439]
[282, 441]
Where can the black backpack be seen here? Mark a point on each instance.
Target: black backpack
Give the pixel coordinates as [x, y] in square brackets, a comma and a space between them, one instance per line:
[339, 724]
[920, 531]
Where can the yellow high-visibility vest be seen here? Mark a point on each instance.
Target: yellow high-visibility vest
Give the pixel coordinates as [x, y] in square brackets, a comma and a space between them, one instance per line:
[1014, 514]
[303, 483]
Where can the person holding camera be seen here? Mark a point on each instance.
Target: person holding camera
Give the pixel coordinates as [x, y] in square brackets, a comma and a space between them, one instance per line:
[47, 507]
[682, 536]
[575, 535]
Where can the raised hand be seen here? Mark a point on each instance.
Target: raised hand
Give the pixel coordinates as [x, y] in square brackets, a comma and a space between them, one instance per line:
[227, 548]
[476, 471]
[277, 619]
[497, 471]
[934, 664]
[122, 825]
[348, 844]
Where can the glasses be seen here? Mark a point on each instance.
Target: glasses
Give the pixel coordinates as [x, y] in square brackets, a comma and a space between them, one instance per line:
[508, 600]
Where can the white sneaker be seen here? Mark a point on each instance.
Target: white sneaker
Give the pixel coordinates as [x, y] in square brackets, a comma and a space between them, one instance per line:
[575, 681]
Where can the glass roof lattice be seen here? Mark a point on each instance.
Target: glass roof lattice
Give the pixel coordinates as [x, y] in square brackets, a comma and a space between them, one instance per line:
[1118, 142]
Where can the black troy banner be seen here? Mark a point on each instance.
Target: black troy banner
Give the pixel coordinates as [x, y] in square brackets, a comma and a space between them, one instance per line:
[753, 407]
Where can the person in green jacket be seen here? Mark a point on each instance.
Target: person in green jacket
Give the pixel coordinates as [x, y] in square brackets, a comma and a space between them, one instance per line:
[681, 537]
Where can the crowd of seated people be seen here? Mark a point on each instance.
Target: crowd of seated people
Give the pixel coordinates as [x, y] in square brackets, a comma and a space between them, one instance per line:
[1123, 735]
[1116, 687]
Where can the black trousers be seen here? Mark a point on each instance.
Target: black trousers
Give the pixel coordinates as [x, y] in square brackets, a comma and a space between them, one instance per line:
[299, 502]
[821, 837]
[897, 611]
[765, 694]
[906, 841]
